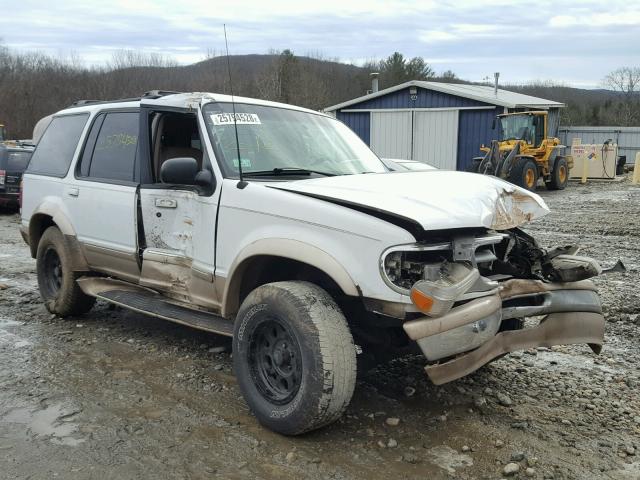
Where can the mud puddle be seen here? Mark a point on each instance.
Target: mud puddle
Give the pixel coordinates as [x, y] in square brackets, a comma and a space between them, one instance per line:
[53, 422]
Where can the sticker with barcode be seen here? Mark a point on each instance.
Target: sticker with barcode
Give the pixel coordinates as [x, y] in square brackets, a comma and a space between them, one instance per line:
[241, 119]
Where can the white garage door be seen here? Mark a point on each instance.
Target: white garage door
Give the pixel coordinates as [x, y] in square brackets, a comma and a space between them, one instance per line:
[435, 138]
[430, 137]
[391, 134]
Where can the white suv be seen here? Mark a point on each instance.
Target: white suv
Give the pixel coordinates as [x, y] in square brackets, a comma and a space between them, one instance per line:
[276, 225]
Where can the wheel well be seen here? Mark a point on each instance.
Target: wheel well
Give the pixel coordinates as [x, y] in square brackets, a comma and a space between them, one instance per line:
[378, 334]
[38, 224]
[263, 269]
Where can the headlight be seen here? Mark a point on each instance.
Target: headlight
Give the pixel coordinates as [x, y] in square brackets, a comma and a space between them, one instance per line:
[404, 265]
[435, 295]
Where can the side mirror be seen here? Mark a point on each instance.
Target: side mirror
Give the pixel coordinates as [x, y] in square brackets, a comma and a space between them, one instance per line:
[179, 171]
[493, 124]
[205, 181]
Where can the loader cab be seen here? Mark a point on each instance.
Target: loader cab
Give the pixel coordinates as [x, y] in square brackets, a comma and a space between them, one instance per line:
[527, 126]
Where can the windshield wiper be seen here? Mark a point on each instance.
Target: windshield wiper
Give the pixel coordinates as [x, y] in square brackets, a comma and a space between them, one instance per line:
[283, 171]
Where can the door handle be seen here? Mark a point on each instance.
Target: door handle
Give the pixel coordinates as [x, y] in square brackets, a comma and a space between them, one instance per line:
[166, 203]
[73, 192]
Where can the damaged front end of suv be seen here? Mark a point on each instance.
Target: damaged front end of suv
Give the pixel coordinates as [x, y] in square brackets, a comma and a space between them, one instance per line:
[475, 290]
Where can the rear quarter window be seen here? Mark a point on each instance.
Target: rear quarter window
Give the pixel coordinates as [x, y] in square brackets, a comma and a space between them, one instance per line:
[55, 150]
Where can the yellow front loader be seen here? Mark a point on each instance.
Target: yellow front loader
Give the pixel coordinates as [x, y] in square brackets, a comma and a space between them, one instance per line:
[525, 153]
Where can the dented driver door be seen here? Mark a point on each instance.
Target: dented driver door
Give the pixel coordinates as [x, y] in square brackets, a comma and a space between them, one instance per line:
[178, 253]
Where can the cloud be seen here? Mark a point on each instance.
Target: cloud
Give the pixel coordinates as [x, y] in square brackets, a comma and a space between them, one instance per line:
[465, 31]
[473, 38]
[431, 36]
[597, 21]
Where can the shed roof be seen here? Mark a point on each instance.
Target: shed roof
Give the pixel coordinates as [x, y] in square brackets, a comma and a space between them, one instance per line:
[481, 93]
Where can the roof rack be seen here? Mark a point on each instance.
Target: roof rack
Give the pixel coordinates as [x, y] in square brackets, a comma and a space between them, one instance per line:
[80, 103]
[158, 93]
[151, 94]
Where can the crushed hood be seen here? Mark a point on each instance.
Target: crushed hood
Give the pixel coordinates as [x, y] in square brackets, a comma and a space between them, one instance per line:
[436, 199]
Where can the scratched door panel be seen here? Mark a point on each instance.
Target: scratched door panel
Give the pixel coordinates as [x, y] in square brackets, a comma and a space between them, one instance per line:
[179, 257]
[168, 220]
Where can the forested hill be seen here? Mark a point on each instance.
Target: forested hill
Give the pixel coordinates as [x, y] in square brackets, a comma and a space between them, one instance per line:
[35, 85]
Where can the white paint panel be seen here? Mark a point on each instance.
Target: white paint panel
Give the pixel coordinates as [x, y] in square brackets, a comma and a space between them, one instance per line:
[391, 134]
[435, 138]
[103, 214]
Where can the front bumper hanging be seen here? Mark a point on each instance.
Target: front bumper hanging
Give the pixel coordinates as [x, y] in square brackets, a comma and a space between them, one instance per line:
[573, 316]
[556, 329]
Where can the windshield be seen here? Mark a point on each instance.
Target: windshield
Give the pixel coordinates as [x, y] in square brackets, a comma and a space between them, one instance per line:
[274, 139]
[518, 127]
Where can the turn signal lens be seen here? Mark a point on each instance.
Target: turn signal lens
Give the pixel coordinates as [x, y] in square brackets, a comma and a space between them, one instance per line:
[422, 301]
[437, 297]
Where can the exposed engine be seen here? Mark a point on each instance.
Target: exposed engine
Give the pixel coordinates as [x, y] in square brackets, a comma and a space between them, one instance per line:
[497, 255]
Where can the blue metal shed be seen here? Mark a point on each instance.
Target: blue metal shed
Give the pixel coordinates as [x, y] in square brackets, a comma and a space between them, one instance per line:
[442, 124]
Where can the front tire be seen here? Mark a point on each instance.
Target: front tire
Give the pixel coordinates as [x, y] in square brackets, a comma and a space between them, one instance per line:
[56, 278]
[524, 173]
[294, 357]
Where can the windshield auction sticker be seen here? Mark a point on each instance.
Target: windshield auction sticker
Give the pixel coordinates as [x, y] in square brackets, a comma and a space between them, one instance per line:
[241, 119]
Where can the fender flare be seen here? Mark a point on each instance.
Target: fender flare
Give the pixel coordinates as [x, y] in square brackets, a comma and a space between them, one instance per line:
[289, 249]
[52, 210]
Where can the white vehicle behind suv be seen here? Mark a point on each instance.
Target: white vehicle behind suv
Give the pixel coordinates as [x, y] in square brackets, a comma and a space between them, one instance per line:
[140, 203]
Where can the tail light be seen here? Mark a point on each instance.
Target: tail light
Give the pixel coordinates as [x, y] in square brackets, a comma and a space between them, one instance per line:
[3, 175]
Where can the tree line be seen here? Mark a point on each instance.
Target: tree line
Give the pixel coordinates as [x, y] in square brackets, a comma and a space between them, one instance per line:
[616, 104]
[33, 85]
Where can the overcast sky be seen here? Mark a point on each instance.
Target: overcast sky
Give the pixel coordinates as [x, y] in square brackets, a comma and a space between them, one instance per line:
[575, 42]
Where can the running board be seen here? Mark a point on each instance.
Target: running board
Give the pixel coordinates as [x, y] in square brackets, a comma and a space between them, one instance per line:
[149, 302]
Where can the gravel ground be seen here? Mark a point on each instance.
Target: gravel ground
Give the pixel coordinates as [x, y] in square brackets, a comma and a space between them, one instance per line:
[116, 395]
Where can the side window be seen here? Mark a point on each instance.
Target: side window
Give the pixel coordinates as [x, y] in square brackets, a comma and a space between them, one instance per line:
[115, 149]
[176, 135]
[539, 131]
[56, 147]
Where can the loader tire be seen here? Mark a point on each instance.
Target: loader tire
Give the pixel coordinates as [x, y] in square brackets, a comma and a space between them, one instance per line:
[524, 173]
[475, 165]
[559, 175]
[57, 279]
[293, 356]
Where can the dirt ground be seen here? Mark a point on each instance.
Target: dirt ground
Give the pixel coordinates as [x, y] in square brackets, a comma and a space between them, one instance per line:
[117, 395]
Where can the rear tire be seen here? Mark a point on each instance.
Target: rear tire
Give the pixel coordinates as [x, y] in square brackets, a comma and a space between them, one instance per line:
[559, 175]
[294, 357]
[56, 278]
[475, 164]
[524, 173]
